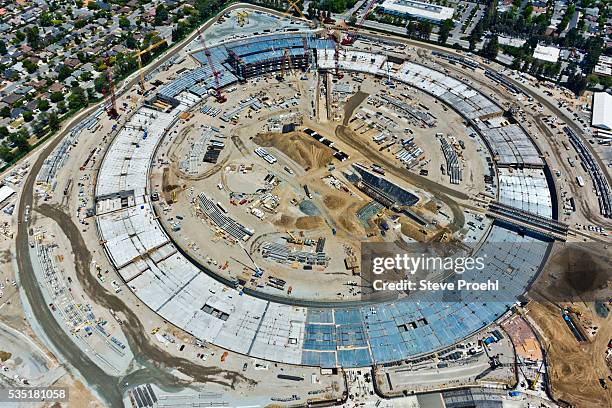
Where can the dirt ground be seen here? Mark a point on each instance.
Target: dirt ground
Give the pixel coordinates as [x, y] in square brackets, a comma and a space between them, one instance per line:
[574, 368]
[78, 395]
[169, 189]
[351, 104]
[309, 222]
[305, 151]
[333, 202]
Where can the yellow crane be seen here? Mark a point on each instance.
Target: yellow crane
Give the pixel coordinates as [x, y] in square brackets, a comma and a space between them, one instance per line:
[138, 55]
[242, 17]
[294, 240]
[534, 384]
[293, 6]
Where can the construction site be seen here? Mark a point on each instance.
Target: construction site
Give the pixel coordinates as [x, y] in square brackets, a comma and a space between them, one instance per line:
[273, 187]
[238, 180]
[279, 155]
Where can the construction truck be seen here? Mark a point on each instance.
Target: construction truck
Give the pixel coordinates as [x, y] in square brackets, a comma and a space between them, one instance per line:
[292, 239]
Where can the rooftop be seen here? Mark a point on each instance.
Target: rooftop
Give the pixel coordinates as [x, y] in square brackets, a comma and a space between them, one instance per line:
[418, 9]
[602, 106]
[544, 53]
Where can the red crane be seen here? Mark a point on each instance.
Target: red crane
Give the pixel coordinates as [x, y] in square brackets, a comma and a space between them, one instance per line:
[111, 105]
[351, 37]
[216, 74]
[337, 50]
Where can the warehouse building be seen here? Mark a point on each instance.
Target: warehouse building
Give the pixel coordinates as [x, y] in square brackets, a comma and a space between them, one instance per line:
[417, 10]
[602, 111]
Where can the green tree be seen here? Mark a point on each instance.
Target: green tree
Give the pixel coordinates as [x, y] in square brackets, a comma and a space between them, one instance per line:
[491, 48]
[42, 104]
[577, 84]
[3, 50]
[476, 35]
[80, 23]
[53, 121]
[161, 15]
[77, 98]
[4, 132]
[63, 72]
[445, 29]
[86, 76]
[56, 97]
[100, 84]
[82, 57]
[569, 13]
[46, 19]
[593, 48]
[19, 36]
[33, 37]
[6, 154]
[425, 29]
[20, 140]
[124, 22]
[527, 11]
[130, 41]
[5, 112]
[29, 66]
[28, 116]
[38, 127]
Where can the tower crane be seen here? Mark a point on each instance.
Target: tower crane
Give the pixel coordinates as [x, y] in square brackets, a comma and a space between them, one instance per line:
[351, 36]
[293, 5]
[337, 50]
[285, 65]
[140, 70]
[216, 74]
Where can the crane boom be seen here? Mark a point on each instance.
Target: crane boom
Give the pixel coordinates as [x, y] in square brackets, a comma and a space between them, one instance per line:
[216, 74]
[351, 37]
[140, 70]
[293, 6]
[337, 51]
